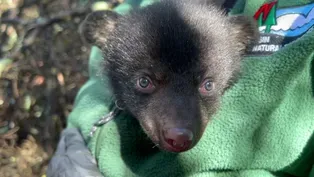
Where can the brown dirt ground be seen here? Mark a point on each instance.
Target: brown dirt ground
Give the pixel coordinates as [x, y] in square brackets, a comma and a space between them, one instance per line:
[42, 66]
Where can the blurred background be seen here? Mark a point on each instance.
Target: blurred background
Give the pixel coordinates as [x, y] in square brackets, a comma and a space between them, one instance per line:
[43, 63]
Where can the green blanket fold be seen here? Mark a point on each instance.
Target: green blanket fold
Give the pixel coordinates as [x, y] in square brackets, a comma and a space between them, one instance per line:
[265, 126]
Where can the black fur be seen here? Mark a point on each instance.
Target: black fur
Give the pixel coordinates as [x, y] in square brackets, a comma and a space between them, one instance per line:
[178, 44]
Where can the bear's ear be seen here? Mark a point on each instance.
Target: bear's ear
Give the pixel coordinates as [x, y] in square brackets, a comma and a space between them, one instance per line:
[97, 26]
[245, 29]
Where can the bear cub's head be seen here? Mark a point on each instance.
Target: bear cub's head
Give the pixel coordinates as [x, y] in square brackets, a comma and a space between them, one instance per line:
[169, 64]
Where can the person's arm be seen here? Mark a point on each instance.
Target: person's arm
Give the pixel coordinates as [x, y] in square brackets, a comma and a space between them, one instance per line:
[72, 157]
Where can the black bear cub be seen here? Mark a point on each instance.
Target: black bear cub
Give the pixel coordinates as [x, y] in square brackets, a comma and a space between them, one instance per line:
[170, 62]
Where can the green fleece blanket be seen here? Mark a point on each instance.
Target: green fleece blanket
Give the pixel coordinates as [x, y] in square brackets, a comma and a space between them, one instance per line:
[264, 128]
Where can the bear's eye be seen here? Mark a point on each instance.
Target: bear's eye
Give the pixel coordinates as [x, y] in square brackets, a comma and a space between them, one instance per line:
[145, 85]
[206, 87]
[144, 82]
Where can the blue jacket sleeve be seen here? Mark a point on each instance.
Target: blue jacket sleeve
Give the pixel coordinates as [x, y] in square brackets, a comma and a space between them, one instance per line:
[72, 157]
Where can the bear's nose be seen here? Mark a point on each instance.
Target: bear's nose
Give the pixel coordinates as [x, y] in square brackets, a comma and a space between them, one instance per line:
[180, 139]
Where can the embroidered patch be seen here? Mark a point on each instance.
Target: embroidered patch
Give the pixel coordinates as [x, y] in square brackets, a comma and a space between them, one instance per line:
[279, 27]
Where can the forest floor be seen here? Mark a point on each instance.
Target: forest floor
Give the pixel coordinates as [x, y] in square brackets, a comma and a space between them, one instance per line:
[43, 64]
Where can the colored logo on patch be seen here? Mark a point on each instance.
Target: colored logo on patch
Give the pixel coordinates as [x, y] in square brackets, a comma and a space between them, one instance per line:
[281, 26]
[289, 22]
[266, 15]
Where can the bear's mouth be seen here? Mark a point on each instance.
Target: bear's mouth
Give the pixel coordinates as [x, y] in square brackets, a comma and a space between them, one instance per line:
[169, 139]
[162, 144]
[165, 146]
[171, 146]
